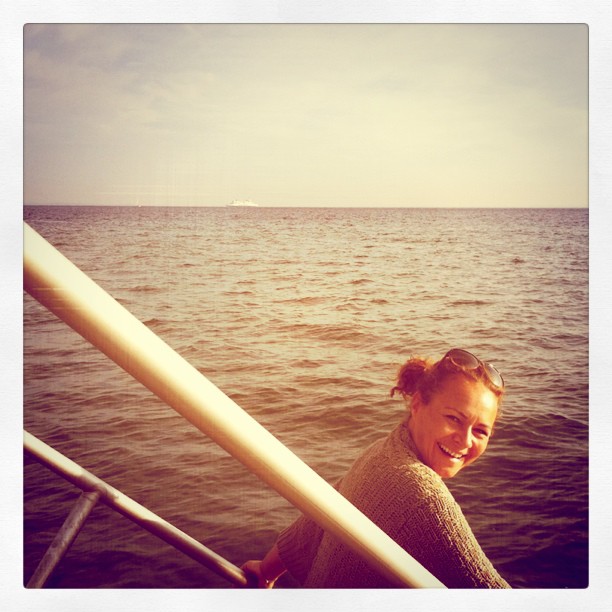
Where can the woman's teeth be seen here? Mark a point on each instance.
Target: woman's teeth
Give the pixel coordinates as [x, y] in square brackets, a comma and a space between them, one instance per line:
[449, 452]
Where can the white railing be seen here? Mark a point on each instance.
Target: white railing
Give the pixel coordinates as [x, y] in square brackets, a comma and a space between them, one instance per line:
[70, 294]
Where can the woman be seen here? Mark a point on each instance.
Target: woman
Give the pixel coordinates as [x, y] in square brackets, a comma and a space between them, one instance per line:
[397, 482]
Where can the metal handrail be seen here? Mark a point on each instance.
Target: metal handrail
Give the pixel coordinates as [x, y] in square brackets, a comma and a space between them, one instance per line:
[76, 299]
[95, 489]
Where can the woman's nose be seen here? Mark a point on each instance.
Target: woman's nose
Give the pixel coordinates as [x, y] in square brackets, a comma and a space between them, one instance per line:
[464, 436]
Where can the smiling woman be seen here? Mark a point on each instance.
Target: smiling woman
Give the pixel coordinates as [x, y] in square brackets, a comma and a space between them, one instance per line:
[453, 408]
[397, 482]
[453, 430]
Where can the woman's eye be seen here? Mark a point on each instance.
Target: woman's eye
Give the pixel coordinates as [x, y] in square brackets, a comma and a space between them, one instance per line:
[452, 418]
[482, 432]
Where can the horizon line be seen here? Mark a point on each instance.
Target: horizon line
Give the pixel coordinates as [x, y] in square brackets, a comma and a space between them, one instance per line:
[386, 206]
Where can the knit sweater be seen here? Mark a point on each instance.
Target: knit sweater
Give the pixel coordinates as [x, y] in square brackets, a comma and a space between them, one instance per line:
[408, 501]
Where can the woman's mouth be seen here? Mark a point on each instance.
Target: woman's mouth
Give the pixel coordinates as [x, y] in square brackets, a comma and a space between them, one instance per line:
[447, 451]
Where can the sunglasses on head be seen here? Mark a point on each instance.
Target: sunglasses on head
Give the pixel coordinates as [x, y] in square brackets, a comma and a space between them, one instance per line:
[466, 361]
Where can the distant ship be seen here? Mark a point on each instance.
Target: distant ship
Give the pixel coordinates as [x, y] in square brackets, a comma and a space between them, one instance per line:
[242, 203]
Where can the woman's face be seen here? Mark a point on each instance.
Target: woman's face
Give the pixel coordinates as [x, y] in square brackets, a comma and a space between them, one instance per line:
[453, 430]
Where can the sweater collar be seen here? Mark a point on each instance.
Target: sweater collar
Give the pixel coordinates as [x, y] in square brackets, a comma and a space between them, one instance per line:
[403, 433]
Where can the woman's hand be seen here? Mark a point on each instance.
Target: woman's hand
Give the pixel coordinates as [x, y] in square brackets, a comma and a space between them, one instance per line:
[253, 570]
[265, 573]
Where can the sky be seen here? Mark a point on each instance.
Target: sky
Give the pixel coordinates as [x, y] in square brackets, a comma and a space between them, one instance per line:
[306, 115]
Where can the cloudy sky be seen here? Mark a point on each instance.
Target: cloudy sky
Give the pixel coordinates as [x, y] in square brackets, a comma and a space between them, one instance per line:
[306, 115]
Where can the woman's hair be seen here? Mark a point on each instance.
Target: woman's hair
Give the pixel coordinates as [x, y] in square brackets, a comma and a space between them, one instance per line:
[426, 376]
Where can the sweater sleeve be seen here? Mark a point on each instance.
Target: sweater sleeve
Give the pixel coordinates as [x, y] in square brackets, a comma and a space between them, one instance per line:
[438, 535]
[297, 546]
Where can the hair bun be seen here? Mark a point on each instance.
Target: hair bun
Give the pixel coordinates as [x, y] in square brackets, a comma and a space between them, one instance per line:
[409, 376]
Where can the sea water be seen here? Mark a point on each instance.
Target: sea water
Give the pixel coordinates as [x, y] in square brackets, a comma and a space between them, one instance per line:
[302, 316]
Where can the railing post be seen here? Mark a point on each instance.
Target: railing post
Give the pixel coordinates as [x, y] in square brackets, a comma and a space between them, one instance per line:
[64, 538]
[116, 500]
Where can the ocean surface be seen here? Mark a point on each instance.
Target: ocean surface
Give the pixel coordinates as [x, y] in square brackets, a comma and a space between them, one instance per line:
[302, 316]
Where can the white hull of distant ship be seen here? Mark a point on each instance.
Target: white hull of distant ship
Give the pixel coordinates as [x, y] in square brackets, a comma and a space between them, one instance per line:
[243, 203]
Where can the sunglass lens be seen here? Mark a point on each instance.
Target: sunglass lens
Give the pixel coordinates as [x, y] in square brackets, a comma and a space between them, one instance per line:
[463, 359]
[494, 376]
